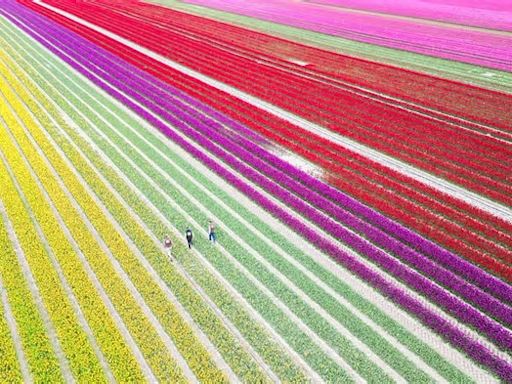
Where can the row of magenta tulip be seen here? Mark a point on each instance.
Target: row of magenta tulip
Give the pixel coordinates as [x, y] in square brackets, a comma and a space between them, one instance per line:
[399, 34]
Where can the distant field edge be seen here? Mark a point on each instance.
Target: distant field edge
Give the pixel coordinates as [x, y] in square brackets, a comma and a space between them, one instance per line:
[467, 73]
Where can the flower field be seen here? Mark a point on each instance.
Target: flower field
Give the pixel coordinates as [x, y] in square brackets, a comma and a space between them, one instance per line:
[363, 210]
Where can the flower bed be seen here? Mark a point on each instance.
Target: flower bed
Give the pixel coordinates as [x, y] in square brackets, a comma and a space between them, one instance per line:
[10, 370]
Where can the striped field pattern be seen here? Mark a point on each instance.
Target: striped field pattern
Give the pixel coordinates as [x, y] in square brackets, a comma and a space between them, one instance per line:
[363, 210]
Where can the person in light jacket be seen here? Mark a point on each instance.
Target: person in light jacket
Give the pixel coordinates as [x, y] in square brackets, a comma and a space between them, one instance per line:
[168, 246]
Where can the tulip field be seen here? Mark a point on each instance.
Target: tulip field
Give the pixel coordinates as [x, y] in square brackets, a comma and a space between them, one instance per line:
[363, 209]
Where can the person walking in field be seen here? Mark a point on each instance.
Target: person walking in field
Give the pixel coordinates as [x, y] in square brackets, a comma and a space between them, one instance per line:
[168, 246]
[211, 232]
[189, 236]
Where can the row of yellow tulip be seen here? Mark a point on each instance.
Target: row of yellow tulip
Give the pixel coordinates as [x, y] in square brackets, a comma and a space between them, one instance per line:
[196, 355]
[41, 359]
[10, 371]
[79, 352]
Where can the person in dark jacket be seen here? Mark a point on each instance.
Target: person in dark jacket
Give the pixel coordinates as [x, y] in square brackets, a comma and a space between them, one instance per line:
[189, 236]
